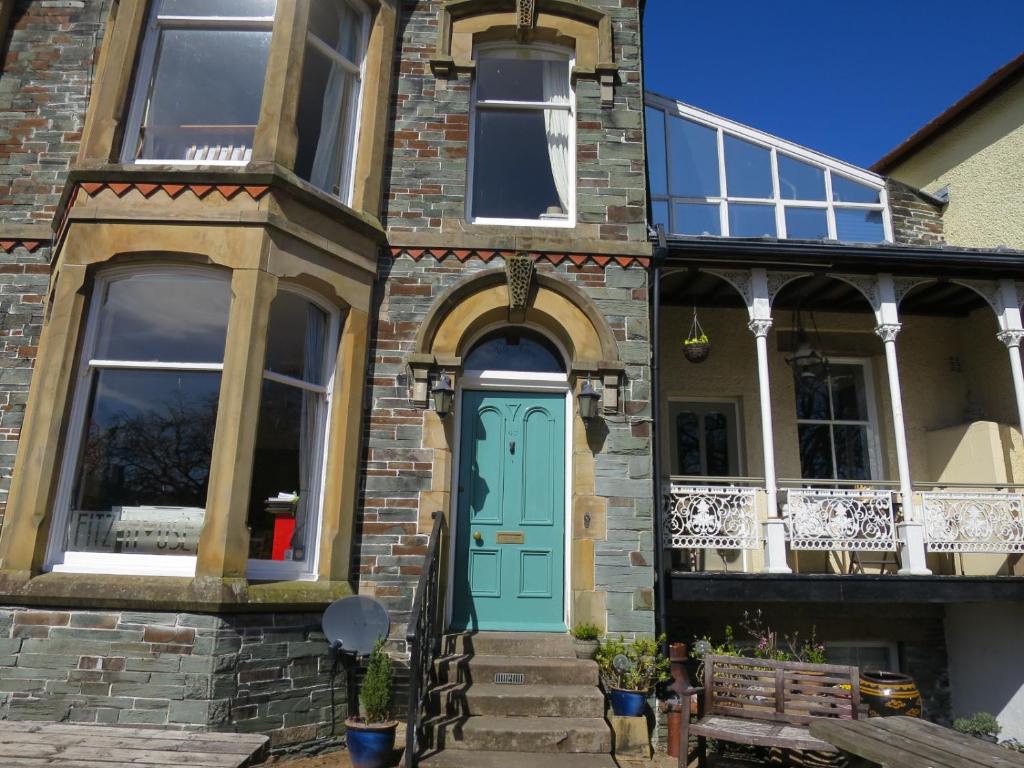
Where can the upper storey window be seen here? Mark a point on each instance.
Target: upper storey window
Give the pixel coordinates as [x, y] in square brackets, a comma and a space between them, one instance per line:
[710, 176]
[523, 137]
[329, 98]
[199, 82]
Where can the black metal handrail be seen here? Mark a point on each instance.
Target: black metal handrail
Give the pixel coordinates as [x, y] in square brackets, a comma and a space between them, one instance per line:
[423, 637]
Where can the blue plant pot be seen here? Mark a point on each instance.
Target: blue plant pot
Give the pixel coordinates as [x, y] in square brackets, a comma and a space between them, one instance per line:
[371, 746]
[627, 703]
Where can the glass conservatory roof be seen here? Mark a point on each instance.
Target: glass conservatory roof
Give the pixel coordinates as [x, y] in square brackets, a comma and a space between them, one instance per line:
[711, 176]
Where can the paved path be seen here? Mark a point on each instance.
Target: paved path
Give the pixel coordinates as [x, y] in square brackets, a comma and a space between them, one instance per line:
[60, 745]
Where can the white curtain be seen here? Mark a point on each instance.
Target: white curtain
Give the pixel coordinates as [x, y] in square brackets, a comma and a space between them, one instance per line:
[557, 124]
[310, 421]
[325, 161]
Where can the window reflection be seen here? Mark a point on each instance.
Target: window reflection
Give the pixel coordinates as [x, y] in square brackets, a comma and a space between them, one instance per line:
[834, 422]
[514, 350]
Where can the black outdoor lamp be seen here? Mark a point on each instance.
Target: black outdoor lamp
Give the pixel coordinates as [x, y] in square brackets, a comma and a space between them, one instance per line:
[444, 394]
[588, 400]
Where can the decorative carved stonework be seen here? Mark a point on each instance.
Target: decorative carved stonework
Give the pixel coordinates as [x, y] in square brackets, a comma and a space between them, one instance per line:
[524, 18]
[519, 273]
[887, 331]
[1011, 338]
[760, 327]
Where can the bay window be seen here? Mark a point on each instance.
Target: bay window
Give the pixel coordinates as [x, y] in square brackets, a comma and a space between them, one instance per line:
[132, 494]
[284, 500]
[329, 97]
[522, 168]
[199, 82]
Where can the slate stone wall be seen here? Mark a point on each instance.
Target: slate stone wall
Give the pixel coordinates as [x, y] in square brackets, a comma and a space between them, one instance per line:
[48, 65]
[430, 134]
[394, 523]
[916, 219]
[261, 673]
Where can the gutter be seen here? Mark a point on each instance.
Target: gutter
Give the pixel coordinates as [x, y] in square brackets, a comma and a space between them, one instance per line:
[966, 262]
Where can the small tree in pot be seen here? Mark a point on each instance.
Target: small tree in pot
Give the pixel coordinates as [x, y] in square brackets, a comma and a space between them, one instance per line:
[630, 671]
[371, 738]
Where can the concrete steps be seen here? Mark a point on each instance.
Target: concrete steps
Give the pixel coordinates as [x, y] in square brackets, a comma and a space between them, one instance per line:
[506, 694]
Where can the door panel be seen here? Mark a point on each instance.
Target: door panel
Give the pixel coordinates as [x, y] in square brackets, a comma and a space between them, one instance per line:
[509, 544]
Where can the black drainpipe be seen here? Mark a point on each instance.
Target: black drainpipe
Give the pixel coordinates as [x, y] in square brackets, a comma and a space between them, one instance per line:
[661, 597]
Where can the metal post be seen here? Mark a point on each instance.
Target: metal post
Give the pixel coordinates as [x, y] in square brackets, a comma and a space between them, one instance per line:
[1012, 339]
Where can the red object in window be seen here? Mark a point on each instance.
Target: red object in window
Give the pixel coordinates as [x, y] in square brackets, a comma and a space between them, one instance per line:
[284, 528]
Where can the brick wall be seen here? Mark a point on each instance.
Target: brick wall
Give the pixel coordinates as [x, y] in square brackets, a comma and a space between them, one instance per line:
[916, 220]
[390, 542]
[262, 673]
[429, 137]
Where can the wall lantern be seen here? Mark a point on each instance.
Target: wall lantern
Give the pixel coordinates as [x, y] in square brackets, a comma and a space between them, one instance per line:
[588, 401]
[444, 394]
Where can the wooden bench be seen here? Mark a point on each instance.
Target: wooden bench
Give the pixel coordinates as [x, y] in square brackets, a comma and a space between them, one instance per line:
[769, 703]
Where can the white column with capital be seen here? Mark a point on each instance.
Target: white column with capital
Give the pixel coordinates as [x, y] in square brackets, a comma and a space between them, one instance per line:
[1012, 339]
[775, 526]
[910, 528]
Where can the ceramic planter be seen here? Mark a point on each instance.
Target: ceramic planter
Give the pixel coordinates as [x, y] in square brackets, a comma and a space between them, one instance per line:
[370, 745]
[627, 703]
[889, 693]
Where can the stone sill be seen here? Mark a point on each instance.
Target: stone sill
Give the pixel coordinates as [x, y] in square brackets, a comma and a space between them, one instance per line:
[203, 595]
[274, 176]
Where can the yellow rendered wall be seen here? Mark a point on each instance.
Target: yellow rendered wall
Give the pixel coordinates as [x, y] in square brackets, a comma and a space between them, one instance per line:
[953, 371]
[981, 159]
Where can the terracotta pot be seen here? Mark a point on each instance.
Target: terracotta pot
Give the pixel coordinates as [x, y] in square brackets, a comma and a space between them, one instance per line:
[889, 693]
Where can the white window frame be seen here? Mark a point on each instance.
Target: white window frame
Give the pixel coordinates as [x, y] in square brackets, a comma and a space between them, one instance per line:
[345, 183]
[722, 127]
[544, 52]
[57, 559]
[142, 89]
[732, 404]
[306, 570]
[874, 449]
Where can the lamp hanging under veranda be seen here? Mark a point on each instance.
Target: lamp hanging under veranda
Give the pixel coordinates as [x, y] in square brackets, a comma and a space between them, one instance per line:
[697, 346]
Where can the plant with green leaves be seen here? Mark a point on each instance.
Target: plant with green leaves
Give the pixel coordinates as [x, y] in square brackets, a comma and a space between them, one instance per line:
[980, 725]
[694, 340]
[375, 694]
[636, 666]
[586, 631]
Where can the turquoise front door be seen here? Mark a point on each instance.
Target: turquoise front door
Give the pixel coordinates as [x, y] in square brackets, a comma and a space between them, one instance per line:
[510, 529]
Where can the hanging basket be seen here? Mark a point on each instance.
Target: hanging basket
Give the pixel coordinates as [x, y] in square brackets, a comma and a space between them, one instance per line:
[697, 345]
[697, 351]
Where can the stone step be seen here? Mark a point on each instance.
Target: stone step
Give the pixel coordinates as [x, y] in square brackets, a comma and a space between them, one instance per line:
[519, 700]
[464, 758]
[546, 644]
[488, 733]
[536, 670]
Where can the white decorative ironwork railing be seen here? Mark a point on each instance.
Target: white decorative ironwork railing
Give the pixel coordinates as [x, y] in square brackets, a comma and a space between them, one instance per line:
[840, 519]
[700, 516]
[973, 522]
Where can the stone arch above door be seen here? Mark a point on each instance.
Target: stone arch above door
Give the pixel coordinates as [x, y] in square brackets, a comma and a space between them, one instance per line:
[491, 298]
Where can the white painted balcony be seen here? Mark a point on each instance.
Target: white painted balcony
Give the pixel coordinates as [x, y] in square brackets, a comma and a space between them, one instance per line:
[718, 524]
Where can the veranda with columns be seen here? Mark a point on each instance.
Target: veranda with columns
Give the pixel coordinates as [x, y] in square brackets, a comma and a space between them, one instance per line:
[898, 451]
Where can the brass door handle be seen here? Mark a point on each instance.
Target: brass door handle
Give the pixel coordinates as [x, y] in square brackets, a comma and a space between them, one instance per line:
[478, 537]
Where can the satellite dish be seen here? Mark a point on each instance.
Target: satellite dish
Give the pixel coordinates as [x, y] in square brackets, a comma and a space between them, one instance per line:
[354, 624]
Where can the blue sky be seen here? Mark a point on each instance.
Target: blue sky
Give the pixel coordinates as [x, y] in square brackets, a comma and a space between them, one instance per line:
[851, 78]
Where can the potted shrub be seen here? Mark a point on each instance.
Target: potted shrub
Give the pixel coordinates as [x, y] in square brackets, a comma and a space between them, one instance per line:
[586, 637]
[371, 737]
[630, 672]
[981, 725]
